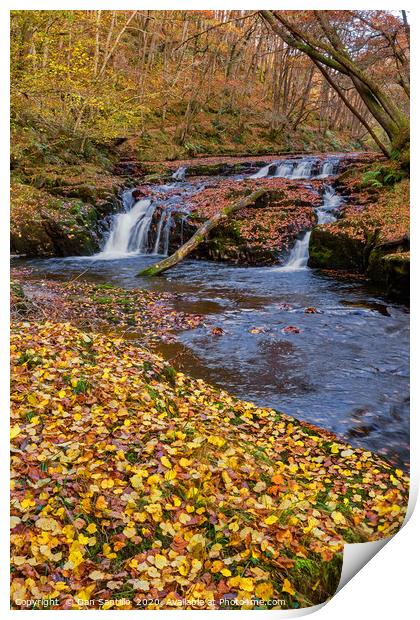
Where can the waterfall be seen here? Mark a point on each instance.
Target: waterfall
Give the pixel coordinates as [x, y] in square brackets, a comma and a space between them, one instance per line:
[130, 229]
[159, 232]
[127, 199]
[179, 174]
[303, 169]
[328, 168]
[266, 171]
[331, 202]
[167, 233]
[297, 169]
[284, 170]
[300, 169]
[163, 231]
[299, 255]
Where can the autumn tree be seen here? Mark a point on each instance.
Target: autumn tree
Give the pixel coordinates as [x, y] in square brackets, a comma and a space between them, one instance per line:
[363, 50]
[185, 82]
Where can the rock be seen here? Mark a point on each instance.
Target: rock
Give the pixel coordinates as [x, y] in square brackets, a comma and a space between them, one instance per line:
[391, 271]
[43, 224]
[333, 250]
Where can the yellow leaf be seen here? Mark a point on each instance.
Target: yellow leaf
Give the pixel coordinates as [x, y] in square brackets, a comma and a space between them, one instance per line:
[129, 531]
[226, 572]
[216, 441]
[196, 565]
[160, 561]
[165, 462]
[216, 566]
[338, 517]
[47, 524]
[15, 431]
[184, 518]
[83, 540]
[136, 481]
[287, 587]
[271, 519]
[264, 591]
[84, 595]
[247, 584]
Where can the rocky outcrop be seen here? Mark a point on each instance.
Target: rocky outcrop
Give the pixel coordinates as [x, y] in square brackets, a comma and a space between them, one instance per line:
[333, 250]
[51, 223]
[391, 271]
[385, 264]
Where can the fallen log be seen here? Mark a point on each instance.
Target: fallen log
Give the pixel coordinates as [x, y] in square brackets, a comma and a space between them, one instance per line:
[403, 241]
[253, 200]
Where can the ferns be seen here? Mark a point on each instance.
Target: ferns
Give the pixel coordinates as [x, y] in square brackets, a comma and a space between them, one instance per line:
[383, 176]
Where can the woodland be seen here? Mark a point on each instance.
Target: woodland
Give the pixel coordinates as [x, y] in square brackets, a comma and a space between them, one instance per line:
[209, 303]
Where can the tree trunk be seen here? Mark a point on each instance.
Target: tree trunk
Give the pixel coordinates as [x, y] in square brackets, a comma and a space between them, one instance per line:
[253, 200]
[332, 54]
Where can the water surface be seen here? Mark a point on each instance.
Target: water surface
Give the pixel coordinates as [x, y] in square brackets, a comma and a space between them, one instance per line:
[345, 370]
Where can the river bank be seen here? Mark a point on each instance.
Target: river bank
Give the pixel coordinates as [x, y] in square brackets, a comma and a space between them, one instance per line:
[372, 236]
[70, 213]
[174, 489]
[177, 486]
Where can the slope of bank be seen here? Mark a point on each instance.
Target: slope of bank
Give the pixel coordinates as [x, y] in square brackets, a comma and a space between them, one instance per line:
[57, 210]
[174, 490]
[372, 236]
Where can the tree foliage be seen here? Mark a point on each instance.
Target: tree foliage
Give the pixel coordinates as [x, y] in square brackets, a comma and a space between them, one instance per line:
[86, 78]
[366, 51]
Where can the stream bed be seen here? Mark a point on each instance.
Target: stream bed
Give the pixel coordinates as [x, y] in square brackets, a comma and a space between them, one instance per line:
[346, 369]
[330, 351]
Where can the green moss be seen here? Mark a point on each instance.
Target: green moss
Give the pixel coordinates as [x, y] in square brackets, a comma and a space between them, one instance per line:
[336, 250]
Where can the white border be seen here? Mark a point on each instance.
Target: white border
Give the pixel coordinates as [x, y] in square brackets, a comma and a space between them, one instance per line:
[387, 586]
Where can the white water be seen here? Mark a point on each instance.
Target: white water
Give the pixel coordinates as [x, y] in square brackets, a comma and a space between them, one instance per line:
[129, 234]
[263, 172]
[299, 255]
[284, 171]
[302, 170]
[297, 169]
[163, 232]
[179, 174]
[328, 168]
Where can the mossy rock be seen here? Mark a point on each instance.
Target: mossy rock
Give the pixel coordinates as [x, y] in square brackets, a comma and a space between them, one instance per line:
[46, 225]
[333, 250]
[391, 271]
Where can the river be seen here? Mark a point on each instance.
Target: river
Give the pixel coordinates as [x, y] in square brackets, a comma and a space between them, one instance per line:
[333, 352]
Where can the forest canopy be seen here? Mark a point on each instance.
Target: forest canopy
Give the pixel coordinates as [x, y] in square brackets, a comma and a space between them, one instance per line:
[186, 82]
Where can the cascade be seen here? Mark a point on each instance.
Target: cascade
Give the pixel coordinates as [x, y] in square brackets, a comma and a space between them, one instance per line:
[130, 229]
[179, 174]
[298, 258]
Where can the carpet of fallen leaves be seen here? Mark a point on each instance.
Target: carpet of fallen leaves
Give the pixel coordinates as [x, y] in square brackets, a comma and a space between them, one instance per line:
[134, 486]
[386, 210]
[275, 227]
[260, 159]
[143, 315]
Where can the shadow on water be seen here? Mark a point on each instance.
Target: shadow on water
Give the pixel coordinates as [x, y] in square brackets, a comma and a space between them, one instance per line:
[345, 368]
